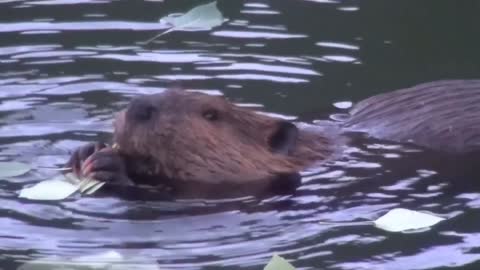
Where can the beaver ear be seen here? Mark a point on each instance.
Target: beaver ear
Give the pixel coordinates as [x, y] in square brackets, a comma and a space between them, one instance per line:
[284, 139]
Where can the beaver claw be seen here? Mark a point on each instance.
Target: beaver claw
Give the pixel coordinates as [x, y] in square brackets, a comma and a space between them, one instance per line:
[100, 162]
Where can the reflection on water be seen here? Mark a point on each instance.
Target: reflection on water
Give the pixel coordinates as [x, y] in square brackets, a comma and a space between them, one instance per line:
[67, 66]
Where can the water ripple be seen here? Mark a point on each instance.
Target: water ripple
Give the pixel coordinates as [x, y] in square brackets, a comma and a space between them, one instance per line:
[78, 26]
[68, 66]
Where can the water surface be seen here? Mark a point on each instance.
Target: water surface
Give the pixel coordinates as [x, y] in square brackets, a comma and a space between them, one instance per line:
[67, 66]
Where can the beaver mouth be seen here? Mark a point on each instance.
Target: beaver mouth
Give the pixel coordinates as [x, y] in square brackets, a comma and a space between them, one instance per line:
[124, 141]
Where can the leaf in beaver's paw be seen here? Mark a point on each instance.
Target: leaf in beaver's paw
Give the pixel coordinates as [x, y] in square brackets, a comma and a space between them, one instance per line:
[49, 190]
[12, 169]
[278, 263]
[94, 188]
[203, 17]
[85, 185]
[404, 220]
[60, 187]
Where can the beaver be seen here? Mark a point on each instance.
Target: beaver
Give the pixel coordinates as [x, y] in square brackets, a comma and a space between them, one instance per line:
[182, 138]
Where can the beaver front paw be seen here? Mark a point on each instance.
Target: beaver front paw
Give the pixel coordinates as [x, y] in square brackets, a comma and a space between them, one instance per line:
[99, 162]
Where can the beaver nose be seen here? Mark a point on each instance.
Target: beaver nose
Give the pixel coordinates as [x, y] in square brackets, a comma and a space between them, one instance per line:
[140, 109]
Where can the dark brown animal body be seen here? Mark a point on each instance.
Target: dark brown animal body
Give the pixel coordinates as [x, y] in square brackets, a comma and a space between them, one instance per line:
[442, 115]
[182, 138]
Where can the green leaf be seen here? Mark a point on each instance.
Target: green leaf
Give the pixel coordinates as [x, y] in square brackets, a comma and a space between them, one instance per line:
[203, 17]
[401, 220]
[278, 263]
[49, 190]
[12, 169]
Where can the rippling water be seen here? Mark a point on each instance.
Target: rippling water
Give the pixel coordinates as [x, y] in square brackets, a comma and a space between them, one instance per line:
[68, 65]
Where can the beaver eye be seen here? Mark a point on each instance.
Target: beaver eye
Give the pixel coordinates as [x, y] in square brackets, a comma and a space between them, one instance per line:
[211, 115]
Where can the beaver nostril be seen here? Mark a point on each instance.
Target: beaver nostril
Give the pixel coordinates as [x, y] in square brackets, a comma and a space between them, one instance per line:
[145, 113]
[141, 110]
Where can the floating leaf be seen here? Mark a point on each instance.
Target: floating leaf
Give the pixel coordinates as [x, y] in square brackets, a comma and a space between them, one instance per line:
[203, 17]
[110, 260]
[54, 189]
[12, 169]
[400, 220]
[278, 263]
[99, 261]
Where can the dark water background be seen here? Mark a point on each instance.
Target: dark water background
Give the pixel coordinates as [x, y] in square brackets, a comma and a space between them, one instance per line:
[67, 65]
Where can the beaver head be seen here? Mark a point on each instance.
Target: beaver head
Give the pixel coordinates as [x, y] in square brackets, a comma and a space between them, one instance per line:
[197, 137]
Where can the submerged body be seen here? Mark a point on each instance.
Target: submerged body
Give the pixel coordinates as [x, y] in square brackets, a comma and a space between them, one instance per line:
[442, 115]
[188, 140]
